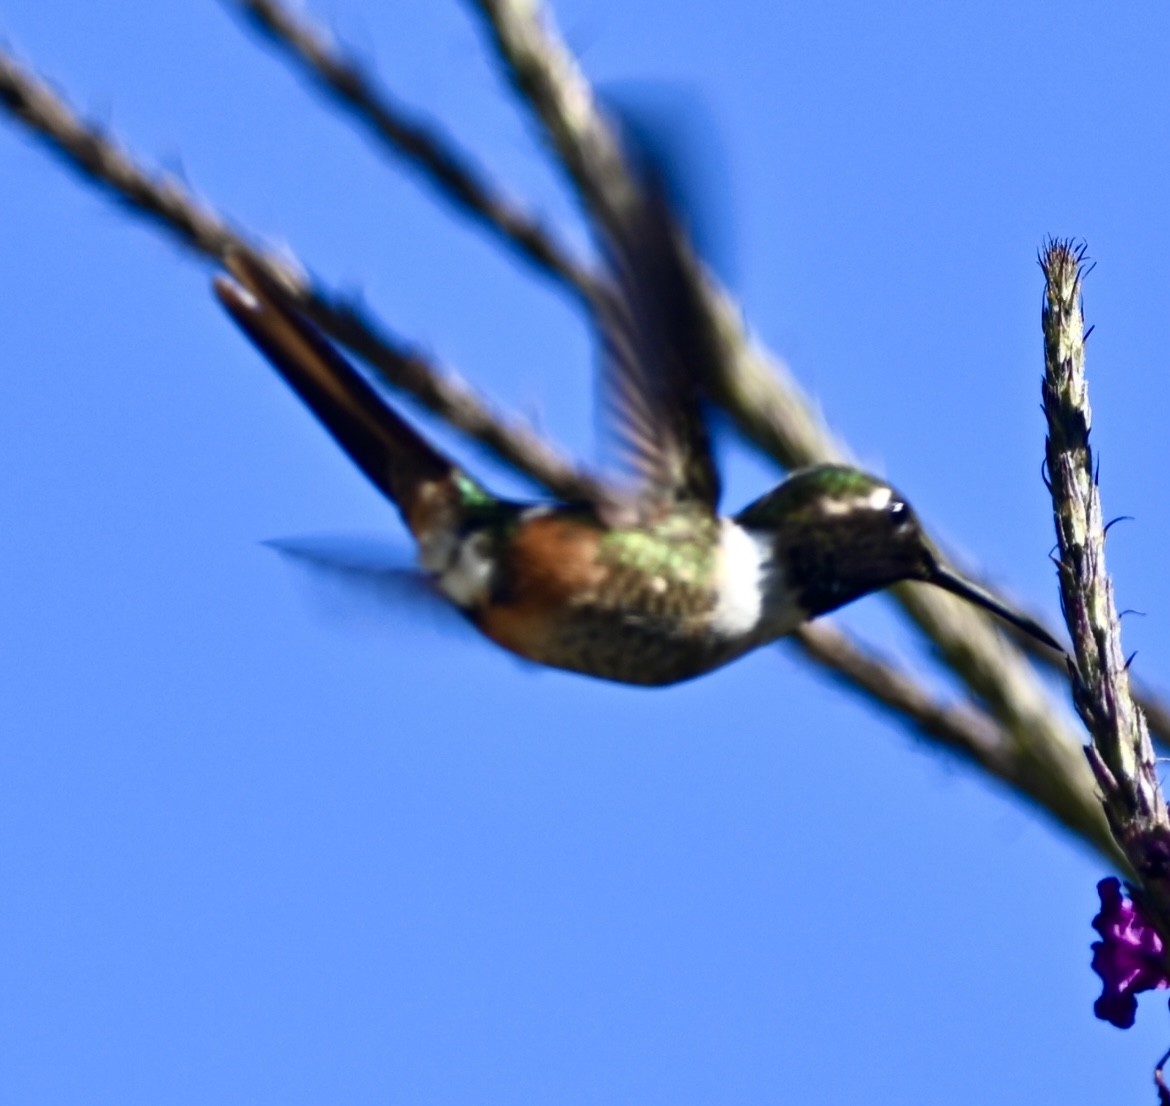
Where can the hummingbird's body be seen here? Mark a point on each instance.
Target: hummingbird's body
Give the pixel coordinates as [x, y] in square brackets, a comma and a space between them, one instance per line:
[646, 587]
[649, 605]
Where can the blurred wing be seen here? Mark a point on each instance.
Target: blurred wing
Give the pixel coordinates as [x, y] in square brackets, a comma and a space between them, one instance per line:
[361, 579]
[659, 347]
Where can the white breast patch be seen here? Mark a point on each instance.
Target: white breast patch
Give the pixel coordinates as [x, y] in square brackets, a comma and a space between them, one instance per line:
[745, 563]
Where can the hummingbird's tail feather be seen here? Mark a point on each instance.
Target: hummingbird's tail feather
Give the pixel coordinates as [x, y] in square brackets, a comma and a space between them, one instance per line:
[426, 486]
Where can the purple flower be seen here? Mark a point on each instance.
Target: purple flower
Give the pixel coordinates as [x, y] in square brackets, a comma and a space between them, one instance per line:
[1129, 957]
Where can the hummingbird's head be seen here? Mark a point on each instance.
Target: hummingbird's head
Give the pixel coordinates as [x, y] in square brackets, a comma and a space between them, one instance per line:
[839, 533]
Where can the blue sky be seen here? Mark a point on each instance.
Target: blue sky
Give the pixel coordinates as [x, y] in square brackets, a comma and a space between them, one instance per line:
[259, 845]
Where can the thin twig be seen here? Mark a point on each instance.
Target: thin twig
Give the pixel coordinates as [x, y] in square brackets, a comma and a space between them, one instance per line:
[169, 205]
[1121, 755]
[449, 396]
[548, 78]
[965, 730]
[758, 390]
[158, 196]
[420, 144]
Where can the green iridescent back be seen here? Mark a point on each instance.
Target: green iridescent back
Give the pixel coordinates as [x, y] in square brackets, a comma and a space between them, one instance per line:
[665, 570]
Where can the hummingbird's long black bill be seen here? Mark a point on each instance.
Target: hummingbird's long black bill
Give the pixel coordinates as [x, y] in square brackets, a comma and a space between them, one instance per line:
[956, 585]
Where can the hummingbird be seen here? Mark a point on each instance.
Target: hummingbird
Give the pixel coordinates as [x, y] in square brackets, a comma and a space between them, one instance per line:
[648, 584]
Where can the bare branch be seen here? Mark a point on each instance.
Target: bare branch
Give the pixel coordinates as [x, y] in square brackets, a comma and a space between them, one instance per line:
[762, 398]
[548, 78]
[1121, 754]
[448, 396]
[757, 389]
[753, 390]
[1041, 767]
[409, 139]
[165, 201]
[453, 173]
[157, 196]
[965, 730]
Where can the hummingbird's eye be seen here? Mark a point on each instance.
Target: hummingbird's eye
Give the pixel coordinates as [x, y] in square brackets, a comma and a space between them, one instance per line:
[899, 514]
